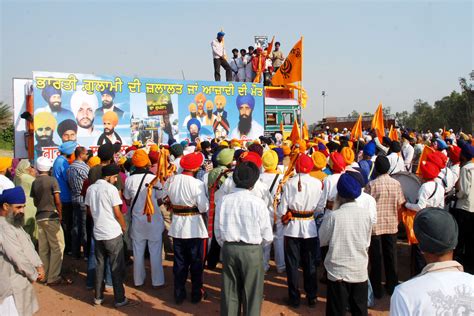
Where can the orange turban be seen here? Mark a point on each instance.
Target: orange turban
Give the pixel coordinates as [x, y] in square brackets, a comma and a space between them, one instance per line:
[140, 159]
[93, 161]
[111, 117]
[220, 99]
[348, 155]
[5, 163]
[286, 150]
[200, 97]
[319, 160]
[153, 147]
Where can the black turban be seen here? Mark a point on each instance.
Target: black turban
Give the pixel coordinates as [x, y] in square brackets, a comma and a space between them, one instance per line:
[382, 165]
[436, 230]
[395, 147]
[106, 152]
[110, 170]
[66, 125]
[245, 175]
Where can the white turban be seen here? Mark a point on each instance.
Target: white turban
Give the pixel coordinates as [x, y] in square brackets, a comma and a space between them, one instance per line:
[79, 97]
[43, 164]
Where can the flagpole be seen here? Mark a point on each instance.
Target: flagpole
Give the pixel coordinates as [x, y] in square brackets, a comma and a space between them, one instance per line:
[300, 92]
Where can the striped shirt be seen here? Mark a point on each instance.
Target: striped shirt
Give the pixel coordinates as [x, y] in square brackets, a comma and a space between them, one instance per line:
[76, 174]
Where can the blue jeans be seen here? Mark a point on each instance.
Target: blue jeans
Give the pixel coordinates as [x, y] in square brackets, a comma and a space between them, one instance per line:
[91, 264]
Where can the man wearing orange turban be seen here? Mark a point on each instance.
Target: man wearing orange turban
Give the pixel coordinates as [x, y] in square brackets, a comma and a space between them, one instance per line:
[109, 135]
[200, 100]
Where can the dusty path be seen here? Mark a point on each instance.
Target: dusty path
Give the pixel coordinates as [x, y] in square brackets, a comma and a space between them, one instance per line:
[76, 299]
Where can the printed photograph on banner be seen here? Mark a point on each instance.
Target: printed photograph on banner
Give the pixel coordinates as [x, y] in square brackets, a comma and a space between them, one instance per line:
[97, 109]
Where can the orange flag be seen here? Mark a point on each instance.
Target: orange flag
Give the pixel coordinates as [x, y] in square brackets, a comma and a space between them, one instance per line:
[426, 151]
[270, 47]
[295, 132]
[393, 135]
[281, 126]
[292, 68]
[305, 131]
[356, 131]
[377, 122]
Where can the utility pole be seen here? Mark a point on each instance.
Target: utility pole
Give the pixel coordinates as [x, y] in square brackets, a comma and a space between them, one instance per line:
[324, 103]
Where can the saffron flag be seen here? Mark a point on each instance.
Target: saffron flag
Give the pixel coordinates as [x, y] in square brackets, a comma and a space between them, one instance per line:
[393, 135]
[356, 131]
[295, 132]
[426, 151]
[292, 68]
[282, 129]
[270, 47]
[302, 95]
[305, 131]
[377, 122]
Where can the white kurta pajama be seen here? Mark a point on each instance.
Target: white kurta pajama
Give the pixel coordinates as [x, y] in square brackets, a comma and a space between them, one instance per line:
[143, 232]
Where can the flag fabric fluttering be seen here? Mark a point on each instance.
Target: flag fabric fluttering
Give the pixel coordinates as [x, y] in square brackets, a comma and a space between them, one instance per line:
[356, 131]
[292, 68]
[393, 135]
[270, 46]
[305, 131]
[424, 154]
[378, 123]
[295, 132]
[282, 129]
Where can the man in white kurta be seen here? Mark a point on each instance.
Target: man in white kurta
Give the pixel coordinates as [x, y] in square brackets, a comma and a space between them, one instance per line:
[187, 196]
[142, 231]
[299, 200]
[20, 265]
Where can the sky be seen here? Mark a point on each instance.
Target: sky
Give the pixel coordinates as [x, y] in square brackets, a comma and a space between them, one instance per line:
[360, 53]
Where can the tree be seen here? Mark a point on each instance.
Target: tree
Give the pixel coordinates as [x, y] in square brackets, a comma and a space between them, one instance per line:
[468, 92]
[354, 114]
[5, 114]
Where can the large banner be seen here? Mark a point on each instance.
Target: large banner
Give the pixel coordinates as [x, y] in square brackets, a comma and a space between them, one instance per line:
[95, 109]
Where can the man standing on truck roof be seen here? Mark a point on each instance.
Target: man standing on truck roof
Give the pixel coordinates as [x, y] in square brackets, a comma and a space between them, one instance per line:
[219, 57]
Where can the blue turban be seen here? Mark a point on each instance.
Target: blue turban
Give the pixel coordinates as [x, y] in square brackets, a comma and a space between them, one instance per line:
[109, 92]
[467, 150]
[220, 34]
[49, 91]
[441, 144]
[369, 148]
[13, 196]
[280, 154]
[348, 186]
[67, 147]
[194, 121]
[321, 147]
[245, 99]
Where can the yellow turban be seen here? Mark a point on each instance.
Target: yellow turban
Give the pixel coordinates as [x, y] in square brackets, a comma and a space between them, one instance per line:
[111, 117]
[209, 105]
[192, 107]
[5, 163]
[235, 143]
[121, 160]
[200, 97]
[348, 155]
[270, 160]
[93, 161]
[224, 144]
[45, 119]
[154, 147]
[302, 144]
[220, 99]
[319, 160]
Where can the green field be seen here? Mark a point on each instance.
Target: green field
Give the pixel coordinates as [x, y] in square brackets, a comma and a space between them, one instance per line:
[6, 145]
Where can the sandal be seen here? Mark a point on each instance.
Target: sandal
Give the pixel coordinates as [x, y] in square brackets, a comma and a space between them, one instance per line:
[61, 281]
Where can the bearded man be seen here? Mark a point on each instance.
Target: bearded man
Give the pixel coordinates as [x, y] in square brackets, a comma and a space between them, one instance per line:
[45, 124]
[83, 106]
[67, 130]
[53, 97]
[247, 128]
[109, 135]
[194, 126]
[20, 265]
[192, 114]
[108, 104]
[200, 100]
[210, 117]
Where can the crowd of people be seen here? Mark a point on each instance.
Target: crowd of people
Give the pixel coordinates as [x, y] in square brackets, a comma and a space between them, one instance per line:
[251, 63]
[332, 203]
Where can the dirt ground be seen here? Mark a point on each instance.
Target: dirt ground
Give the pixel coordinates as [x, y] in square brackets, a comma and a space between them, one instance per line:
[77, 300]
